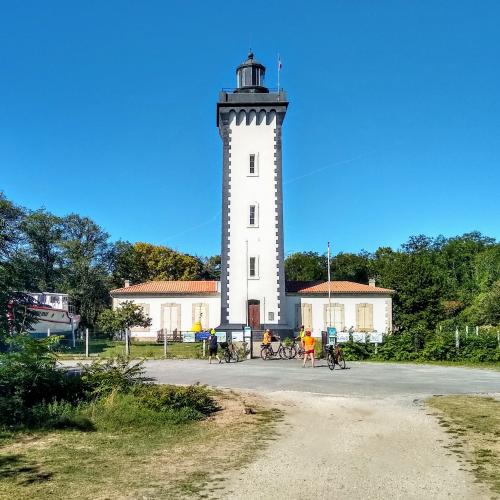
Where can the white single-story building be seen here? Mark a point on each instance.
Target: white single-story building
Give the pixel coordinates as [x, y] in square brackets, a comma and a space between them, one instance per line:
[174, 306]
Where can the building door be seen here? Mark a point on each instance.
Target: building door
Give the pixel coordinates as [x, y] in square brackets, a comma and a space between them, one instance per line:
[254, 314]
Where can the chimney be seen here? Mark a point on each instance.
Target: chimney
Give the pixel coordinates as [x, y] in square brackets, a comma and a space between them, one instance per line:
[127, 283]
[371, 282]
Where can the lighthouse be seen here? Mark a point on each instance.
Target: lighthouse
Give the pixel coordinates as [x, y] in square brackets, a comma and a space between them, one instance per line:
[250, 120]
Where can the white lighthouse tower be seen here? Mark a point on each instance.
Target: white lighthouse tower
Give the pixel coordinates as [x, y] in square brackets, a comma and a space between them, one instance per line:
[252, 277]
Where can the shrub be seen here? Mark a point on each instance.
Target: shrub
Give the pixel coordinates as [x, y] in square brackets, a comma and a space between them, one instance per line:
[170, 397]
[102, 377]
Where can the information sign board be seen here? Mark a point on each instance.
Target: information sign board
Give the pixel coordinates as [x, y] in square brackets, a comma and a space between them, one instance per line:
[221, 336]
[237, 336]
[359, 337]
[342, 337]
[376, 337]
[189, 337]
[202, 336]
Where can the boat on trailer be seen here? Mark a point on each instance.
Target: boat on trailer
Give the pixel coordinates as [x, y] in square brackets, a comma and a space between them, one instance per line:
[54, 313]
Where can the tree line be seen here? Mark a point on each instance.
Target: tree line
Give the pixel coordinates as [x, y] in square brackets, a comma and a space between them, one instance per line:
[40, 251]
[437, 281]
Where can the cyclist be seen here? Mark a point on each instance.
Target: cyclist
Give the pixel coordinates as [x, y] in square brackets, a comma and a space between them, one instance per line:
[267, 338]
[301, 336]
[309, 343]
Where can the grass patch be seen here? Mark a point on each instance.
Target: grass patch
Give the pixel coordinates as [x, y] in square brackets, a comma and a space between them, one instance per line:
[474, 422]
[135, 450]
[103, 348]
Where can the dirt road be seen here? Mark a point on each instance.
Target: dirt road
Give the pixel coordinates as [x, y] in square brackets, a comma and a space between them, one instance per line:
[333, 447]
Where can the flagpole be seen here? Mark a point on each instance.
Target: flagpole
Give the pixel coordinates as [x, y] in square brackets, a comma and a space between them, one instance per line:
[329, 291]
[279, 72]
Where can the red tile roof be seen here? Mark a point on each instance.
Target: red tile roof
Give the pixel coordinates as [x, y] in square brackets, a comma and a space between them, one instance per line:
[170, 287]
[335, 287]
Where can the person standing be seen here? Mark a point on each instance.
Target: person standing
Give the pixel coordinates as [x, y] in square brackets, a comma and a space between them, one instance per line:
[212, 347]
[309, 343]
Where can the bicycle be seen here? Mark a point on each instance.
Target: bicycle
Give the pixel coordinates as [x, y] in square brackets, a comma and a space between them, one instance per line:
[229, 352]
[335, 356]
[267, 351]
[296, 349]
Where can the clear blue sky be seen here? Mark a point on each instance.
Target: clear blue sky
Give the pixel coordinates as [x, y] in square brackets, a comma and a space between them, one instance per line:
[108, 109]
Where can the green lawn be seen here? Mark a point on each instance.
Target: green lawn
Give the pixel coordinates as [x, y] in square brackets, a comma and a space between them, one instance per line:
[474, 424]
[134, 458]
[111, 348]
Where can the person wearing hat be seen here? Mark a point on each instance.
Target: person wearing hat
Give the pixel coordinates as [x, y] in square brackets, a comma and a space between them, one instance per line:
[212, 347]
[309, 343]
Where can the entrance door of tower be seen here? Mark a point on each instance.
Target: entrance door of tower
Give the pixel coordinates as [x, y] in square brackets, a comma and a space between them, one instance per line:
[254, 314]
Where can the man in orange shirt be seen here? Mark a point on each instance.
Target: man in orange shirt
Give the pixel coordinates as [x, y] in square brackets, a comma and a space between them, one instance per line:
[309, 343]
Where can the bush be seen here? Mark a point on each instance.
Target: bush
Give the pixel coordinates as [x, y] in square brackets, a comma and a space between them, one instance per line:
[196, 398]
[102, 377]
[29, 377]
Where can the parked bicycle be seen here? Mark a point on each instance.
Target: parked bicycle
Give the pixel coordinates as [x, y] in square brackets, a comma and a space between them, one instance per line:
[229, 352]
[334, 357]
[267, 351]
[295, 349]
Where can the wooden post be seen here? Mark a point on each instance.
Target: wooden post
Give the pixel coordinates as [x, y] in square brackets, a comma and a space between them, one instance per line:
[48, 332]
[127, 347]
[477, 331]
[466, 331]
[204, 347]
[164, 344]
[86, 342]
[457, 339]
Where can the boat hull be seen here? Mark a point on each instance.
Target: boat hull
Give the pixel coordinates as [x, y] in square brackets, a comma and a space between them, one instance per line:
[53, 320]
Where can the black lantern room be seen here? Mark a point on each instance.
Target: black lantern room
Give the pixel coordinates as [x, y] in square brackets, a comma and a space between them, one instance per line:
[250, 76]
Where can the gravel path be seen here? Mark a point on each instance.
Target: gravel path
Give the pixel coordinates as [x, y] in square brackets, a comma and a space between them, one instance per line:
[332, 447]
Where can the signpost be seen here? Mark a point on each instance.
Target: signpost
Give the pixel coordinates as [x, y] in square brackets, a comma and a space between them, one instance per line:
[332, 334]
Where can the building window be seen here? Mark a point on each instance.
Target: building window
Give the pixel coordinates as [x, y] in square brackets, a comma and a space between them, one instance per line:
[364, 317]
[253, 271]
[271, 316]
[252, 165]
[251, 219]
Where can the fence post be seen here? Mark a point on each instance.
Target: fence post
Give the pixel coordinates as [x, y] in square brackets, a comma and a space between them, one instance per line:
[48, 332]
[498, 339]
[164, 344]
[204, 347]
[457, 339]
[477, 330]
[466, 331]
[127, 347]
[86, 342]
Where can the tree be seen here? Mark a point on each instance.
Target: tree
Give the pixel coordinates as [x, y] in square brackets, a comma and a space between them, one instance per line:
[122, 319]
[40, 260]
[86, 260]
[306, 266]
[351, 267]
[211, 268]
[146, 262]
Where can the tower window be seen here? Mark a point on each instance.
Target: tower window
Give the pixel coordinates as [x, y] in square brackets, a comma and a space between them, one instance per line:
[251, 169]
[252, 267]
[251, 219]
